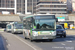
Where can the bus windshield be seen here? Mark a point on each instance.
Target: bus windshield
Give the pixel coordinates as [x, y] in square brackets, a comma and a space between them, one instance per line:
[45, 24]
[18, 26]
[9, 26]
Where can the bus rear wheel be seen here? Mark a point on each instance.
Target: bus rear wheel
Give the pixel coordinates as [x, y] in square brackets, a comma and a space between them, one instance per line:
[26, 38]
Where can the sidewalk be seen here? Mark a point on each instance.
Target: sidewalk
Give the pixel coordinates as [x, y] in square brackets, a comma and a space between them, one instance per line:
[70, 32]
[1, 44]
[14, 42]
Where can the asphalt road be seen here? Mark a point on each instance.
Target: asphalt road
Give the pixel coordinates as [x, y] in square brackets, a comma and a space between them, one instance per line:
[17, 42]
[67, 43]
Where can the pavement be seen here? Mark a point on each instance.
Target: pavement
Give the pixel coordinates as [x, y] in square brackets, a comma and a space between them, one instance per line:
[70, 32]
[1, 43]
[9, 41]
[67, 43]
[13, 42]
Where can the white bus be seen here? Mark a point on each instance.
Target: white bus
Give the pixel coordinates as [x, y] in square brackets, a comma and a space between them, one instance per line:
[39, 26]
[8, 27]
[15, 27]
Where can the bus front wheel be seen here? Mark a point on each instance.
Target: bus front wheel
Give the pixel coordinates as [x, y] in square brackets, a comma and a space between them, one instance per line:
[30, 38]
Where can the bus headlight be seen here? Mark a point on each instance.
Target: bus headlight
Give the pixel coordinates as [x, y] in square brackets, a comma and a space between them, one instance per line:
[35, 33]
[54, 33]
[14, 29]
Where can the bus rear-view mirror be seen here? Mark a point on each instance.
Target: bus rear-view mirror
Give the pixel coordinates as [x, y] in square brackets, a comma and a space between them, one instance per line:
[56, 19]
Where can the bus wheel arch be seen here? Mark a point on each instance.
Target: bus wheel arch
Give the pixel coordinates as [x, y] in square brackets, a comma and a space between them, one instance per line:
[30, 37]
[25, 35]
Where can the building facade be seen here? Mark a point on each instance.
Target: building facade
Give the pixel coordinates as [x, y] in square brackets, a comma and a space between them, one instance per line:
[52, 7]
[7, 5]
[69, 6]
[29, 6]
[73, 5]
[57, 7]
[18, 6]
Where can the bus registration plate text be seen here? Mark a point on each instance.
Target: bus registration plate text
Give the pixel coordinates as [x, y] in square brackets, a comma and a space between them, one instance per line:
[45, 38]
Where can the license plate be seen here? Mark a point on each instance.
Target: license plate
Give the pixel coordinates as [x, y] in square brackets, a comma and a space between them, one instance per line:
[46, 32]
[45, 38]
[59, 33]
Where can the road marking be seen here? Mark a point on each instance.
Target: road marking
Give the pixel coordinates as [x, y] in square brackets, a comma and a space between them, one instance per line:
[71, 38]
[68, 41]
[8, 44]
[25, 42]
[7, 41]
[63, 44]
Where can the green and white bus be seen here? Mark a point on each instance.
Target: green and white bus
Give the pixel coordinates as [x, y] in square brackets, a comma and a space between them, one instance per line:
[40, 26]
[15, 27]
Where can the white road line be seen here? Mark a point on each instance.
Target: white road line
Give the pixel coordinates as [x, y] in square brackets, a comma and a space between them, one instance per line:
[63, 44]
[71, 38]
[7, 41]
[8, 44]
[26, 43]
[68, 41]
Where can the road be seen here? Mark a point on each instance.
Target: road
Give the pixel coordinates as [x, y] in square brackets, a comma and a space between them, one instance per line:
[17, 42]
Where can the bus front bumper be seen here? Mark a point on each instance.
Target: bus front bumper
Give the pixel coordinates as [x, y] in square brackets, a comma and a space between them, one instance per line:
[18, 32]
[43, 37]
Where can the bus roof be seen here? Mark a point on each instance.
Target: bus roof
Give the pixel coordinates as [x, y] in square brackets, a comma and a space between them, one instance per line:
[13, 23]
[36, 15]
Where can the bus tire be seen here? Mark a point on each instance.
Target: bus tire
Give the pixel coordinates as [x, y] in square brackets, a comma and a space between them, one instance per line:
[25, 38]
[31, 40]
[51, 40]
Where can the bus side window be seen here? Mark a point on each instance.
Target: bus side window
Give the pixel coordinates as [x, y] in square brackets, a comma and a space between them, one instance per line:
[24, 24]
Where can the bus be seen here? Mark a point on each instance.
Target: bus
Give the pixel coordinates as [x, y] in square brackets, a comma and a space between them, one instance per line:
[8, 27]
[39, 26]
[16, 27]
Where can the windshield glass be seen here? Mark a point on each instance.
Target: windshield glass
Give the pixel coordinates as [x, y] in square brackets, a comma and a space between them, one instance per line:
[18, 26]
[59, 27]
[45, 24]
[9, 26]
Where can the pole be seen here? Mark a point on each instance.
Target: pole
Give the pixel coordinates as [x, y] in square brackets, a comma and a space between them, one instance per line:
[32, 6]
[25, 6]
[15, 6]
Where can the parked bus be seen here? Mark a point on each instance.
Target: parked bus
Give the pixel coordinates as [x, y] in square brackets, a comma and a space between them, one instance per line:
[36, 27]
[16, 27]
